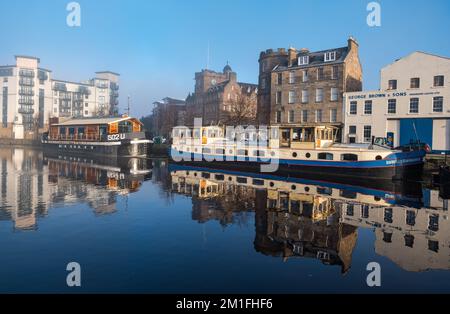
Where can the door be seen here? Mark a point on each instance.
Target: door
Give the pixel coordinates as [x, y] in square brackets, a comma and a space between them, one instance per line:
[413, 129]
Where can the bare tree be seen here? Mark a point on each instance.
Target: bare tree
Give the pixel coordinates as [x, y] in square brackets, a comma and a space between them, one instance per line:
[241, 110]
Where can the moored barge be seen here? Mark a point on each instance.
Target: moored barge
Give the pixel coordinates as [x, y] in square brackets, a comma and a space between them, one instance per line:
[112, 137]
[301, 150]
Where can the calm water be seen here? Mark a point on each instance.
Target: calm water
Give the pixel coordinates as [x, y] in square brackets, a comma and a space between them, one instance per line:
[175, 229]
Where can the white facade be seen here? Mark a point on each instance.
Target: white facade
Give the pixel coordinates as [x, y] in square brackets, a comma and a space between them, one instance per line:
[29, 96]
[413, 102]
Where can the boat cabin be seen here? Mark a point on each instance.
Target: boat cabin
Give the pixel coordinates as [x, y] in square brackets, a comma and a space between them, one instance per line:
[94, 129]
[305, 137]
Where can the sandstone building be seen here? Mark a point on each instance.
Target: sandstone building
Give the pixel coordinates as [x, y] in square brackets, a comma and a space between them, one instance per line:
[304, 88]
[219, 98]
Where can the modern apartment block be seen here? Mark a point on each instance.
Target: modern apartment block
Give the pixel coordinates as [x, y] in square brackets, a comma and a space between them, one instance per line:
[412, 103]
[304, 88]
[29, 96]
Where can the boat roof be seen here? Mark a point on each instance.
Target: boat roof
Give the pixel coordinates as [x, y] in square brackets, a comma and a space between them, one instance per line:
[95, 121]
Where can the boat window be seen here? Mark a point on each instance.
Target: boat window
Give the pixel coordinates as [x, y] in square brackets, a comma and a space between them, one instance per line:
[241, 180]
[325, 156]
[81, 130]
[295, 207]
[387, 237]
[71, 131]
[206, 175]
[125, 127]
[349, 157]
[258, 182]
[242, 152]
[220, 151]
[206, 151]
[378, 157]
[324, 191]
[308, 155]
[220, 177]
[433, 245]
[348, 194]
[294, 154]
[409, 240]
[259, 153]
[350, 210]
[410, 218]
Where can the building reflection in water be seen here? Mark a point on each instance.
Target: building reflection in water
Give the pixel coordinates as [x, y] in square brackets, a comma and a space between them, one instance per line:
[31, 183]
[296, 218]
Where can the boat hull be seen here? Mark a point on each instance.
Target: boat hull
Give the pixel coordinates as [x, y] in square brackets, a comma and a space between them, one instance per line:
[110, 149]
[399, 166]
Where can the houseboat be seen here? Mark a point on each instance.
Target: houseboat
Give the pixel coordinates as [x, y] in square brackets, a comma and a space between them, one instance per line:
[302, 150]
[115, 136]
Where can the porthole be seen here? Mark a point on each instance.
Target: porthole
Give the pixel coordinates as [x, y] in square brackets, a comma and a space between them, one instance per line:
[230, 178]
[378, 157]
[377, 198]
[272, 184]
[293, 187]
[231, 152]
[306, 189]
[272, 153]
[294, 155]
[308, 155]
[195, 174]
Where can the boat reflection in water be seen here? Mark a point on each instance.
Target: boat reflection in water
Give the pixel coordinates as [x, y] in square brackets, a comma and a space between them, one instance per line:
[32, 182]
[302, 218]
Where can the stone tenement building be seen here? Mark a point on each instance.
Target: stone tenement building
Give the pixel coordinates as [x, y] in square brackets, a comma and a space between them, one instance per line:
[217, 97]
[303, 88]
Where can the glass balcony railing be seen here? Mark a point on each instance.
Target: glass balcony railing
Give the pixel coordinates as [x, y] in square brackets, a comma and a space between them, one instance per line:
[26, 110]
[26, 92]
[26, 82]
[26, 101]
[26, 73]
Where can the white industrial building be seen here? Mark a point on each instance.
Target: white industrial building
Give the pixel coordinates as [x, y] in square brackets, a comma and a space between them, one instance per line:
[412, 103]
[29, 96]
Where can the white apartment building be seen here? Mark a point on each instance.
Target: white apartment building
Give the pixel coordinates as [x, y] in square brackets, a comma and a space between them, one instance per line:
[413, 103]
[29, 97]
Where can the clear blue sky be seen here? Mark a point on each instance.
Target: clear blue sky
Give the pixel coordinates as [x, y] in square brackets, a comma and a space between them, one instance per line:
[157, 46]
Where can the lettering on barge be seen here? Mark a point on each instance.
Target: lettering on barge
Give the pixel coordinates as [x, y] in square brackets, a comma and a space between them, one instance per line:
[116, 137]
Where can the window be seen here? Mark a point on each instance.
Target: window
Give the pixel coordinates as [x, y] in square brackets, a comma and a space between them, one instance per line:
[349, 157]
[433, 223]
[409, 240]
[414, 105]
[439, 81]
[367, 133]
[320, 75]
[291, 77]
[392, 84]
[433, 245]
[352, 129]
[279, 78]
[319, 115]
[303, 60]
[86, 104]
[86, 112]
[330, 56]
[325, 156]
[291, 97]
[368, 107]
[410, 218]
[353, 108]
[334, 94]
[305, 75]
[278, 98]
[278, 117]
[305, 96]
[388, 215]
[304, 116]
[319, 95]
[415, 82]
[392, 106]
[56, 101]
[335, 72]
[438, 104]
[333, 115]
[291, 116]
[263, 83]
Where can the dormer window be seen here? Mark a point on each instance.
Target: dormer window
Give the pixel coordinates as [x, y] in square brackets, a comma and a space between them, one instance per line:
[330, 56]
[303, 60]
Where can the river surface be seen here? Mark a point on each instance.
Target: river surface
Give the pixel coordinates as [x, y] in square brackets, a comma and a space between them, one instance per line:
[149, 227]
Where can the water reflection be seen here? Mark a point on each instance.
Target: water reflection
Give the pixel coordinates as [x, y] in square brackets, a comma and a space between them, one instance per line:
[303, 218]
[32, 182]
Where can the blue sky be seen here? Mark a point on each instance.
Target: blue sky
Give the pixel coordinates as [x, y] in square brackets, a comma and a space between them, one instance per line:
[157, 46]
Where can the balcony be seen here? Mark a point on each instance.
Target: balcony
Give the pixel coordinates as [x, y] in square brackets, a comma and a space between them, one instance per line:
[66, 97]
[115, 94]
[26, 82]
[43, 76]
[26, 101]
[26, 92]
[26, 109]
[114, 86]
[84, 90]
[26, 73]
[60, 87]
